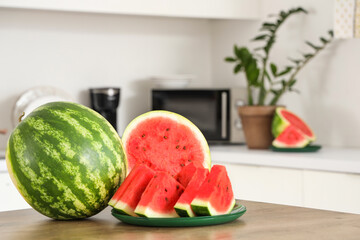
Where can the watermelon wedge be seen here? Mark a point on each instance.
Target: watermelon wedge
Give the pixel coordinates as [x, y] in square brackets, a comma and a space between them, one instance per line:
[197, 177]
[129, 193]
[215, 196]
[284, 118]
[186, 174]
[159, 197]
[291, 137]
[165, 141]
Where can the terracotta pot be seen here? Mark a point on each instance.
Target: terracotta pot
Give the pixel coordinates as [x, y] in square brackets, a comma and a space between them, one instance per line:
[256, 121]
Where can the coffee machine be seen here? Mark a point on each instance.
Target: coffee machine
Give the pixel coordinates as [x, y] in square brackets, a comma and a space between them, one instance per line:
[105, 101]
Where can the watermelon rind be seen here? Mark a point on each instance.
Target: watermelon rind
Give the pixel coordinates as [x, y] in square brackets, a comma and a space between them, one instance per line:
[279, 124]
[66, 160]
[124, 208]
[204, 208]
[144, 211]
[184, 210]
[176, 117]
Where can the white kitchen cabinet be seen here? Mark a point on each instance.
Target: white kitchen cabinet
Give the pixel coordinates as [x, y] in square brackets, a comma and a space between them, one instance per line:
[332, 191]
[266, 184]
[10, 198]
[210, 9]
[328, 180]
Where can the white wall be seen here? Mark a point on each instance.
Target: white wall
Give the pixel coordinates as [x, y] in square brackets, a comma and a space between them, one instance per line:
[76, 51]
[329, 85]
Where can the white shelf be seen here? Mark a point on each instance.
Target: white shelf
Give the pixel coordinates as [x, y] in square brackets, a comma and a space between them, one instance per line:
[327, 159]
[209, 9]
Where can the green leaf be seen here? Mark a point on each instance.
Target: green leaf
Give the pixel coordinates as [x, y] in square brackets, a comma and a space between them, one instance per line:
[260, 37]
[236, 51]
[313, 46]
[331, 33]
[230, 59]
[267, 24]
[273, 69]
[300, 9]
[237, 68]
[291, 82]
[308, 55]
[287, 70]
[323, 40]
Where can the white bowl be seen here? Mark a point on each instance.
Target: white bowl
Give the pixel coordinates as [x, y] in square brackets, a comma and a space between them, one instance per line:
[172, 81]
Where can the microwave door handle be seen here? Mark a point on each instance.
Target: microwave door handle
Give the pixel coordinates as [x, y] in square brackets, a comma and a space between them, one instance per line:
[223, 114]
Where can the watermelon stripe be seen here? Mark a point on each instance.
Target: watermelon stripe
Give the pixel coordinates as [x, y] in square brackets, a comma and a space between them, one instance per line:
[26, 177]
[58, 148]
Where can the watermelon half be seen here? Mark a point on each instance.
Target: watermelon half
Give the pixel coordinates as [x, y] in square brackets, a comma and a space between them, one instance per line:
[291, 137]
[129, 193]
[159, 197]
[66, 160]
[284, 118]
[165, 141]
[215, 196]
[191, 179]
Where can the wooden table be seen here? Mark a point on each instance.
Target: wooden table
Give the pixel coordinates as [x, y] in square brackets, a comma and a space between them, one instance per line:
[262, 221]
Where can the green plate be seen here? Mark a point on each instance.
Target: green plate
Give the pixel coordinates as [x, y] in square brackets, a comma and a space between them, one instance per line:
[309, 148]
[237, 212]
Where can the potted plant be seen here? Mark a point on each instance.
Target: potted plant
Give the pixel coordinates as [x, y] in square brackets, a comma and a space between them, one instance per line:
[266, 80]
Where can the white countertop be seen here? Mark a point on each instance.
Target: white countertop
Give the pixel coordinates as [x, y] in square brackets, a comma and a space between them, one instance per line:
[326, 159]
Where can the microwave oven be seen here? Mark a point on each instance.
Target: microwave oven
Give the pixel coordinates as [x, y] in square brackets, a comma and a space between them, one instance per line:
[213, 111]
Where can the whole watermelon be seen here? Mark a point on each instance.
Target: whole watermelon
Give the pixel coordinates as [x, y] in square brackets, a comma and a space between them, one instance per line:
[66, 160]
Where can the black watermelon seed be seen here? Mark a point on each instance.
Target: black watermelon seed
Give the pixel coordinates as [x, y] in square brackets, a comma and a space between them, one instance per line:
[227, 189]
[177, 146]
[165, 137]
[144, 149]
[189, 160]
[182, 165]
[165, 190]
[184, 147]
[168, 129]
[209, 180]
[143, 135]
[166, 199]
[177, 187]
[155, 176]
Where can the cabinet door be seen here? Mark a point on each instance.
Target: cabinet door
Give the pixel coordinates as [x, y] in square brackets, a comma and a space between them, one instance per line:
[266, 184]
[332, 191]
[10, 198]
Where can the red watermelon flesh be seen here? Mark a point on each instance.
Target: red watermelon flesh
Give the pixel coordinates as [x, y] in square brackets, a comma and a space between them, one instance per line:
[297, 122]
[160, 196]
[165, 141]
[129, 193]
[186, 174]
[183, 205]
[291, 137]
[215, 195]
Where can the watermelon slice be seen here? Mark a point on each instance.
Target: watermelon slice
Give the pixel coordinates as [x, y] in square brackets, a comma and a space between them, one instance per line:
[129, 193]
[186, 174]
[165, 141]
[192, 178]
[159, 197]
[283, 118]
[215, 196]
[291, 137]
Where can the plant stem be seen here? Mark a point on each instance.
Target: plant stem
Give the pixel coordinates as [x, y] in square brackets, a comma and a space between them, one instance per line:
[292, 77]
[250, 97]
